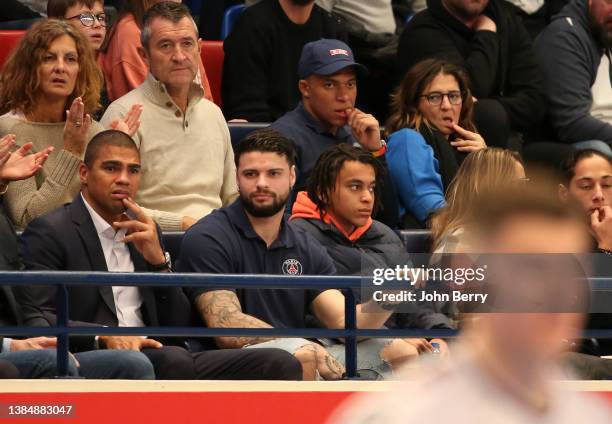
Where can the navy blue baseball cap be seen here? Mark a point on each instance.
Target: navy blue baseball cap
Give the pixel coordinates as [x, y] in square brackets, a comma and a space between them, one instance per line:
[326, 57]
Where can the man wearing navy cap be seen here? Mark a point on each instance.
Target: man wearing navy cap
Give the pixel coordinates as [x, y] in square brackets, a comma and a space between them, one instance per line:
[327, 114]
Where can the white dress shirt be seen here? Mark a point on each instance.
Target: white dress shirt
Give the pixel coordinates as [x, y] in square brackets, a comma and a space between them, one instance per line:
[128, 300]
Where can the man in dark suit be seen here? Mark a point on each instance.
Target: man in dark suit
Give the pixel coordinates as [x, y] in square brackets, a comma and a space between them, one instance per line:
[104, 230]
[35, 357]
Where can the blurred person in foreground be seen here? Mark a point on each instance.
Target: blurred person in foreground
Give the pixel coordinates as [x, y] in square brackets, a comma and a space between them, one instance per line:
[504, 364]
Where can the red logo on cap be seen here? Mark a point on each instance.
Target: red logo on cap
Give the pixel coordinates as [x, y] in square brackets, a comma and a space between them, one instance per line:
[335, 52]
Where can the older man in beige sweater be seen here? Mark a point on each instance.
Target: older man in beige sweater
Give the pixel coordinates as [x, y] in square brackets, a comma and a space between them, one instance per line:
[186, 153]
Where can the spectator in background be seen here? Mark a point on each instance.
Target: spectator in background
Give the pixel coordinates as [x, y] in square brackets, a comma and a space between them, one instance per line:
[327, 115]
[187, 158]
[252, 236]
[491, 43]
[588, 180]
[575, 55]
[51, 70]
[481, 172]
[35, 357]
[375, 16]
[484, 171]
[336, 210]
[34, 361]
[104, 230]
[120, 58]
[536, 14]
[85, 15]
[372, 35]
[431, 130]
[260, 74]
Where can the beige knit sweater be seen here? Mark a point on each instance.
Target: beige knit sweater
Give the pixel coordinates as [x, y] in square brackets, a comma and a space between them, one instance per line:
[55, 184]
[187, 159]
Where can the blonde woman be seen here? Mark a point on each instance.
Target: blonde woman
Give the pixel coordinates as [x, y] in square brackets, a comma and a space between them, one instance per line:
[481, 171]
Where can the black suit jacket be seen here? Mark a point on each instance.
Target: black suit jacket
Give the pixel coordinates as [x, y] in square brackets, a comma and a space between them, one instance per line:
[66, 239]
[10, 312]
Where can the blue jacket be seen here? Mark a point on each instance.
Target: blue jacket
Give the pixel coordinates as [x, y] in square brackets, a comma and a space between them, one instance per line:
[415, 173]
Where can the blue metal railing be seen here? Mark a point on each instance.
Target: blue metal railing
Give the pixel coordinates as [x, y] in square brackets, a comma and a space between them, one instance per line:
[226, 281]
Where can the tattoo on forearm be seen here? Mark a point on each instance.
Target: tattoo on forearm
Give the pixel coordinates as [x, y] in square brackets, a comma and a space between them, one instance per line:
[334, 367]
[221, 309]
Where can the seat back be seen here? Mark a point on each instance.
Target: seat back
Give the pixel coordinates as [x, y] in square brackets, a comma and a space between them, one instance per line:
[238, 131]
[212, 57]
[416, 241]
[195, 6]
[230, 17]
[172, 242]
[8, 41]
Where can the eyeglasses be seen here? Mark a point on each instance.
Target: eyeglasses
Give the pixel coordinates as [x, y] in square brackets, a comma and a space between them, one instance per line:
[88, 19]
[435, 97]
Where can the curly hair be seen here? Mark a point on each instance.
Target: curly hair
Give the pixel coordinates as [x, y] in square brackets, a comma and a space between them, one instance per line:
[20, 81]
[405, 101]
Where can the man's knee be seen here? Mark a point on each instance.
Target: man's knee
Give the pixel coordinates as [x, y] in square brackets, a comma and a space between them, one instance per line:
[398, 352]
[45, 364]
[283, 366]
[131, 365]
[307, 357]
[171, 363]
[8, 370]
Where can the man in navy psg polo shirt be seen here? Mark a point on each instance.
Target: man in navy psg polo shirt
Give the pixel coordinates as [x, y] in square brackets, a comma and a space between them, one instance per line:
[252, 236]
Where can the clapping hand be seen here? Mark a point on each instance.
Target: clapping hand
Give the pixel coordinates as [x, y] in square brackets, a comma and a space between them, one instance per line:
[19, 165]
[130, 123]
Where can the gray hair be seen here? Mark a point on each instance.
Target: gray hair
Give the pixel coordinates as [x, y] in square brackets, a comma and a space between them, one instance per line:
[171, 11]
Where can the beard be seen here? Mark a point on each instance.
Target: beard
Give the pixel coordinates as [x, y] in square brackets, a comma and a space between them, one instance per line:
[277, 205]
[603, 36]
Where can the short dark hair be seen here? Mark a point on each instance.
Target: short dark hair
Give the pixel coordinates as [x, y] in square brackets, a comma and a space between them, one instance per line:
[323, 178]
[171, 11]
[568, 169]
[57, 8]
[114, 138]
[266, 140]
[494, 208]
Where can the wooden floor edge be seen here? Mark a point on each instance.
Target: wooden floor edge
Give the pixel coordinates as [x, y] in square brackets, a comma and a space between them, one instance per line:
[121, 386]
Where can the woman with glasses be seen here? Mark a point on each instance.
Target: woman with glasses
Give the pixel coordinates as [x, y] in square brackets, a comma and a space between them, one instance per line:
[123, 66]
[49, 87]
[429, 133]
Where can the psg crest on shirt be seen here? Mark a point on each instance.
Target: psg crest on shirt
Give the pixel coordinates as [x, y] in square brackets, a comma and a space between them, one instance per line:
[292, 267]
